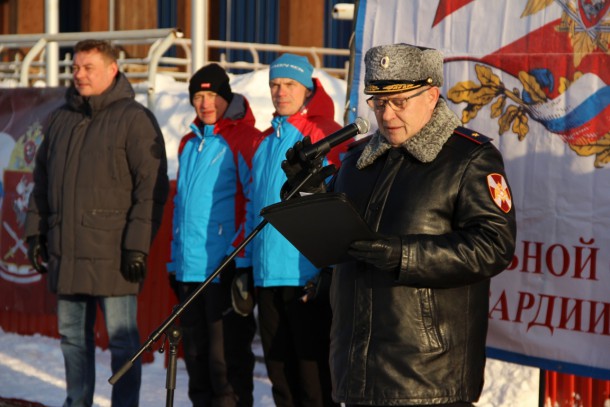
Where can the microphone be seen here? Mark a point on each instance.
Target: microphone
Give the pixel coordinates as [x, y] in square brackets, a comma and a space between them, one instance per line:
[360, 126]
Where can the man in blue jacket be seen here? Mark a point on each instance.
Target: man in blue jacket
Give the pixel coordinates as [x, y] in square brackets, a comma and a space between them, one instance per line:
[294, 327]
[214, 161]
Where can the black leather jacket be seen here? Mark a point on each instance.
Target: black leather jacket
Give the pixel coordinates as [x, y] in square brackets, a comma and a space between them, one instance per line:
[417, 335]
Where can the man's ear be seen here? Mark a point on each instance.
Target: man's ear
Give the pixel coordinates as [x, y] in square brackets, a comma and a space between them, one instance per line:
[114, 67]
[435, 94]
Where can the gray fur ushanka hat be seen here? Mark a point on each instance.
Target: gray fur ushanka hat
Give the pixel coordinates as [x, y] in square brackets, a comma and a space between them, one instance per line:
[400, 68]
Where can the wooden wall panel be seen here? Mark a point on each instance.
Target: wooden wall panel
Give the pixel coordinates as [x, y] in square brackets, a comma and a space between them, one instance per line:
[27, 16]
[183, 15]
[4, 17]
[135, 15]
[302, 23]
[95, 15]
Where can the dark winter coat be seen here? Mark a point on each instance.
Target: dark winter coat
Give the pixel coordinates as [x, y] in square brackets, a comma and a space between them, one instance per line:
[416, 335]
[100, 186]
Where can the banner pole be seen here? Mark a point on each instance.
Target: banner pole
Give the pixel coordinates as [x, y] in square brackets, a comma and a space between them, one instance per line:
[542, 388]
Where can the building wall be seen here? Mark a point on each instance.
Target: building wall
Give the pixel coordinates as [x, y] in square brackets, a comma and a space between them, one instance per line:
[95, 15]
[301, 21]
[4, 17]
[21, 16]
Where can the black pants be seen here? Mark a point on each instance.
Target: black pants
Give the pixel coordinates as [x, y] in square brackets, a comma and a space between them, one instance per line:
[295, 339]
[217, 348]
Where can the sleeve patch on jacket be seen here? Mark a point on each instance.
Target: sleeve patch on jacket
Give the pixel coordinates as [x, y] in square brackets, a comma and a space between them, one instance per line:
[500, 194]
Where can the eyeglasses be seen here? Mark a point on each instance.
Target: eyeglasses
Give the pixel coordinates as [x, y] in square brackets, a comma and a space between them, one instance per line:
[397, 104]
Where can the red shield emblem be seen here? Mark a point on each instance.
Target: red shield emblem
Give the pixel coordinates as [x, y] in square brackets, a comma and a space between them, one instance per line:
[14, 265]
[592, 11]
[498, 188]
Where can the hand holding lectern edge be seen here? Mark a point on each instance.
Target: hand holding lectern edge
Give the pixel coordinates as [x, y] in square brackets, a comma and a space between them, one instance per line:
[321, 226]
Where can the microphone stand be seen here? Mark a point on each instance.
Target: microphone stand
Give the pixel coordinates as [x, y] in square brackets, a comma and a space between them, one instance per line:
[168, 328]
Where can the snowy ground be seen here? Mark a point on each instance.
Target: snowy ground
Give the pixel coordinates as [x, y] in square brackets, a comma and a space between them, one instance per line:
[31, 367]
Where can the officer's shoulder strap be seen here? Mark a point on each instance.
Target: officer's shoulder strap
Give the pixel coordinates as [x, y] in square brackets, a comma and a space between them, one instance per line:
[471, 135]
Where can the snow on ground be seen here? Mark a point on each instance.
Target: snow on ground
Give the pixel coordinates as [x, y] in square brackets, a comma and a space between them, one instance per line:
[31, 367]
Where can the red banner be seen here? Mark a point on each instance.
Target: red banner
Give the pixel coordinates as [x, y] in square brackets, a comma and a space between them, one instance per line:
[22, 116]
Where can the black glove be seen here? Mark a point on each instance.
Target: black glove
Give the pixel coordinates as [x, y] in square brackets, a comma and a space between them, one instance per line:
[242, 291]
[297, 170]
[318, 286]
[383, 254]
[227, 274]
[37, 251]
[133, 266]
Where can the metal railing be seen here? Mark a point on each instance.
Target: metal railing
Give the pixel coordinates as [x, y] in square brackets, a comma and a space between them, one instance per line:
[22, 57]
[316, 55]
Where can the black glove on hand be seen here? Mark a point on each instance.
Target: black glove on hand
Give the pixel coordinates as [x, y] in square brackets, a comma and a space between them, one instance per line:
[37, 251]
[133, 266]
[297, 170]
[383, 254]
[242, 291]
[227, 274]
[318, 286]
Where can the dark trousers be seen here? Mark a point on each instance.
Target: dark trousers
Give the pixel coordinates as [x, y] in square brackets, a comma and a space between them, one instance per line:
[217, 346]
[295, 339]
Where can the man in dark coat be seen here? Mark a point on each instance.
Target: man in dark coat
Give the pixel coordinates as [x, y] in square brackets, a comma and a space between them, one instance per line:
[100, 186]
[410, 311]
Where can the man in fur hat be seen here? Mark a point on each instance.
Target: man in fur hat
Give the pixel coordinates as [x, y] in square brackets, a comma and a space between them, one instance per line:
[410, 311]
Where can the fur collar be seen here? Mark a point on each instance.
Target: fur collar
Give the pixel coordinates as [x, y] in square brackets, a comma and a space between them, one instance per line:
[424, 146]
